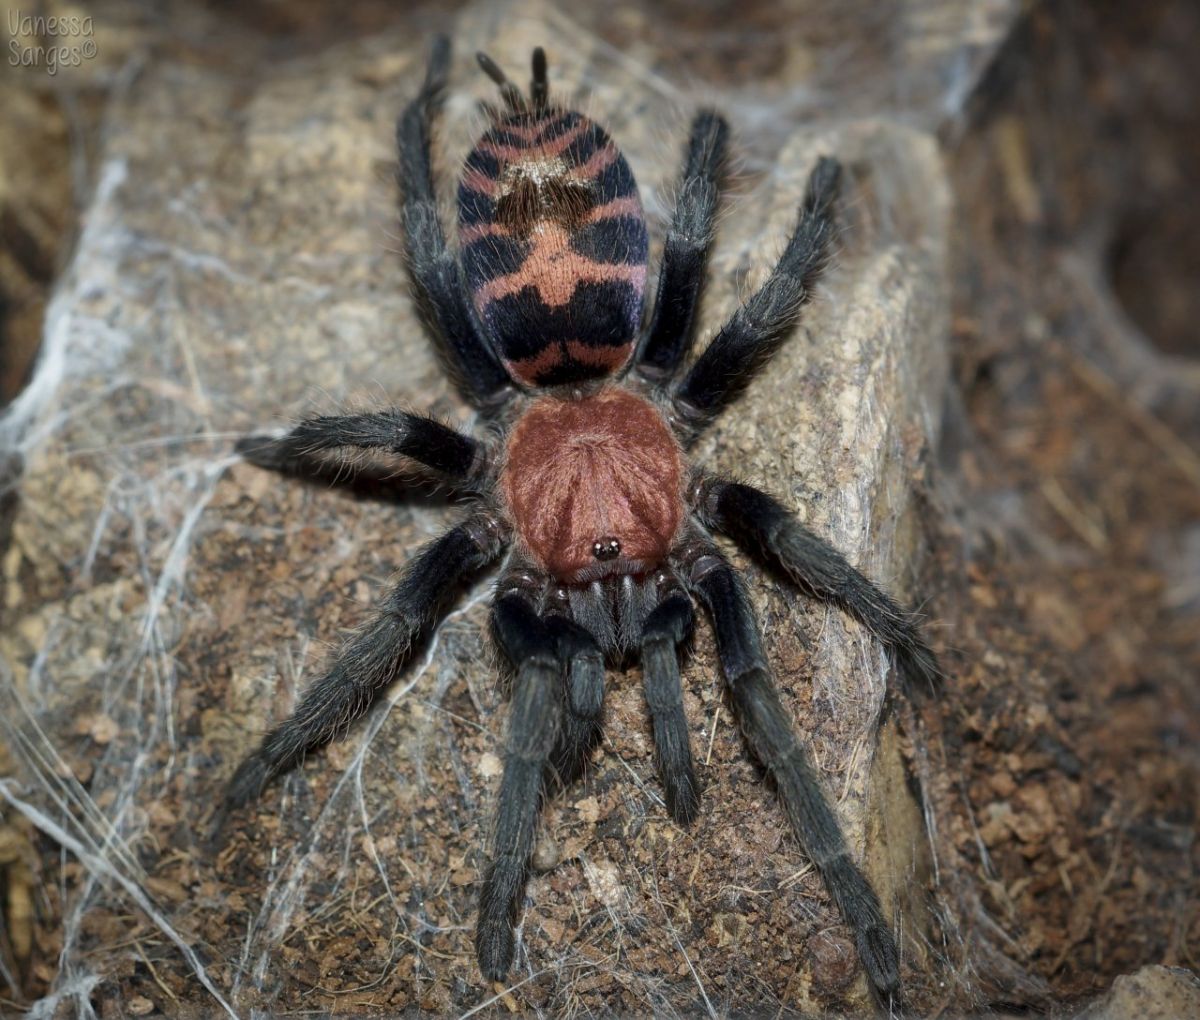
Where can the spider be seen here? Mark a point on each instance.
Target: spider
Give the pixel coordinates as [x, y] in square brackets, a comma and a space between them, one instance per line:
[582, 488]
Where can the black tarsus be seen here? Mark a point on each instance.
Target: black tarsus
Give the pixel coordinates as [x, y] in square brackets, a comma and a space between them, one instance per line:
[668, 626]
[768, 731]
[767, 530]
[425, 440]
[756, 329]
[539, 89]
[533, 728]
[371, 661]
[434, 270]
[685, 252]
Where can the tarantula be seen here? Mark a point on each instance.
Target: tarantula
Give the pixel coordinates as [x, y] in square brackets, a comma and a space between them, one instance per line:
[583, 486]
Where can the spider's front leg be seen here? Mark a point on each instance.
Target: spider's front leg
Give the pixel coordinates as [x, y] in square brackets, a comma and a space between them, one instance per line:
[372, 660]
[668, 626]
[554, 720]
[450, 453]
[533, 648]
[768, 731]
[583, 665]
[767, 530]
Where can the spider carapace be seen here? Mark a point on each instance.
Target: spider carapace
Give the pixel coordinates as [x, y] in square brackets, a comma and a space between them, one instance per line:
[581, 487]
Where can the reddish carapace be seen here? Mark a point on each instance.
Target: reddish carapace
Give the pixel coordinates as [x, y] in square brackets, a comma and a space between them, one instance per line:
[594, 485]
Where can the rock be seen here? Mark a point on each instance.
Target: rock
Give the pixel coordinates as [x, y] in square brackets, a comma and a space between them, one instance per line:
[236, 271]
[1152, 993]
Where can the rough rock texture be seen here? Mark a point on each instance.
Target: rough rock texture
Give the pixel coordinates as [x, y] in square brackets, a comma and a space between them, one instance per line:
[1073, 487]
[164, 603]
[1153, 993]
[34, 205]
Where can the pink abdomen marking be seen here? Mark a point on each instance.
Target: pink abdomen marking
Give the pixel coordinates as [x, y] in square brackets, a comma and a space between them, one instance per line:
[554, 247]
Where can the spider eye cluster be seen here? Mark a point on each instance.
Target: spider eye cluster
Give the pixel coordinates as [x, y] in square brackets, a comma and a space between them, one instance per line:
[606, 548]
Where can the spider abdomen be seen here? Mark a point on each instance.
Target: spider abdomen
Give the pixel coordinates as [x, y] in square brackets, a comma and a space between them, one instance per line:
[554, 246]
[594, 486]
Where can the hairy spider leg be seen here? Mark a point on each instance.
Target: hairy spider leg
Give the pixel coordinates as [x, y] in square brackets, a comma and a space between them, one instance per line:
[685, 252]
[583, 699]
[554, 719]
[768, 531]
[371, 661]
[768, 731]
[434, 270]
[668, 627]
[534, 721]
[755, 331]
[424, 439]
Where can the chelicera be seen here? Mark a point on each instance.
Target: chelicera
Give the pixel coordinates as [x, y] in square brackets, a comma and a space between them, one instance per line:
[581, 488]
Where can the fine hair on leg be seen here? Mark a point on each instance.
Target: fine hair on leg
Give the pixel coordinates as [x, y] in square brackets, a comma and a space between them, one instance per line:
[769, 732]
[669, 626]
[755, 331]
[533, 728]
[371, 661]
[583, 696]
[436, 446]
[768, 531]
[434, 269]
[685, 251]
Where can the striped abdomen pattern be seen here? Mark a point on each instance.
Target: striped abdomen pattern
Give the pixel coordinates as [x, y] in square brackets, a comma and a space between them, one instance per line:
[554, 247]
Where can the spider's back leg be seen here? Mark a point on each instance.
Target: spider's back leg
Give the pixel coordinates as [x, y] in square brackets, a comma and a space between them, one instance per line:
[433, 268]
[755, 331]
[685, 252]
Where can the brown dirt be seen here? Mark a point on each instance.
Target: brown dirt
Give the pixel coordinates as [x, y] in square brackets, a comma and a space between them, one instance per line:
[1070, 767]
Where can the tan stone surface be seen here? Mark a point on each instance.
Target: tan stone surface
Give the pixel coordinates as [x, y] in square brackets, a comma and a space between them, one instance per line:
[1152, 993]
